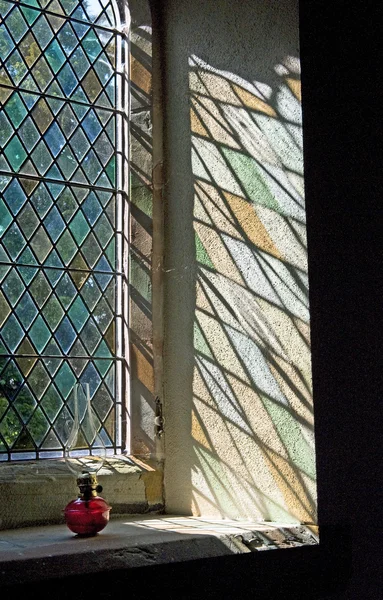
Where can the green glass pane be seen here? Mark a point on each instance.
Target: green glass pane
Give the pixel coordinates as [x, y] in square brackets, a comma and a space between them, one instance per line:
[53, 261]
[110, 211]
[103, 279]
[111, 130]
[54, 224]
[38, 380]
[65, 335]
[30, 14]
[42, 158]
[90, 336]
[78, 314]
[38, 427]
[110, 294]
[55, 21]
[5, 217]
[91, 166]
[79, 275]
[102, 401]
[26, 310]
[65, 380]
[25, 403]
[103, 100]
[66, 247]
[80, 144]
[53, 313]
[40, 289]
[29, 49]
[91, 250]
[14, 241]
[26, 272]
[39, 334]
[91, 125]
[91, 86]
[55, 55]
[41, 244]
[54, 89]
[16, 67]
[91, 377]
[42, 74]
[6, 129]
[41, 200]
[91, 208]
[51, 403]
[42, 32]
[55, 139]
[67, 80]
[4, 309]
[79, 227]
[13, 287]
[30, 84]
[10, 427]
[42, 115]
[78, 364]
[65, 291]
[16, 24]
[79, 62]
[103, 230]
[6, 43]
[12, 333]
[109, 380]
[111, 170]
[26, 363]
[91, 46]
[90, 292]
[102, 315]
[102, 365]
[15, 153]
[55, 105]
[29, 134]
[103, 148]
[15, 109]
[28, 221]
[103, 69]
[80, 109]
[68, 39]
[67, 162]
[52, 364]
[29, 99]
[55, 188]
[67, 204]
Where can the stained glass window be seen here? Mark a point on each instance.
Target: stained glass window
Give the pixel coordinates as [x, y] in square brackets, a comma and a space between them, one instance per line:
[62, 161]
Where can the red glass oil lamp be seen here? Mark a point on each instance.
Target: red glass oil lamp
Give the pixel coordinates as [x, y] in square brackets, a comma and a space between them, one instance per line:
[89, 513]
[85, 454]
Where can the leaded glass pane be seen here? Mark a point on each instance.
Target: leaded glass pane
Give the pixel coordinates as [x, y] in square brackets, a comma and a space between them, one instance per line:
[58, 235]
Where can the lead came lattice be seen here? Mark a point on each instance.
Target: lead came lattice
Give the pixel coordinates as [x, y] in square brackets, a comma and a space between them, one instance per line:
[60, 246]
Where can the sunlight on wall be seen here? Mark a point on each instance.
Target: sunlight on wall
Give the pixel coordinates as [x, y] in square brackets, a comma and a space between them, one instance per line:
[252, 421]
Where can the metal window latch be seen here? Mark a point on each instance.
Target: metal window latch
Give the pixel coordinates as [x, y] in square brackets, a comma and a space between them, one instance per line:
[158, 419]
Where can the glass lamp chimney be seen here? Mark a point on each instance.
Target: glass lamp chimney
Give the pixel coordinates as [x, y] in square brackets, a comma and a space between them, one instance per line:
[85, 454]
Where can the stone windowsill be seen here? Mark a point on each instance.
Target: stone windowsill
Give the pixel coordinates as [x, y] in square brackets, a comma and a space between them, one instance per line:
[36, 492]
[36, 554]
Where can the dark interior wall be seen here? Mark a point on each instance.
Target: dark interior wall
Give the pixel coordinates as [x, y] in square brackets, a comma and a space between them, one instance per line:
[342, 137]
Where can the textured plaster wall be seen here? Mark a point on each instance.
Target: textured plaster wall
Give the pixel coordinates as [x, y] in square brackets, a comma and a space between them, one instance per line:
[239, 417]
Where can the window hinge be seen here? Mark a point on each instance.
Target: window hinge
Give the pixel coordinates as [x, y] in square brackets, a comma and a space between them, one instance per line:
[158, 419]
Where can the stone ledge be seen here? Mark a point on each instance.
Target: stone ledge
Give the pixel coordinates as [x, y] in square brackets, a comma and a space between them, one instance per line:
[37, 554]
[36, 492]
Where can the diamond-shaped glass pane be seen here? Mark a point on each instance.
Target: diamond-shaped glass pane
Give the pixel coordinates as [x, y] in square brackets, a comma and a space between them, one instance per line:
[57, 221]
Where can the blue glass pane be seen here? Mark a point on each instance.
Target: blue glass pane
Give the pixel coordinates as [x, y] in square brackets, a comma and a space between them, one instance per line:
[55, 139]
[65, 335]
[12, 333]
[26, 310]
